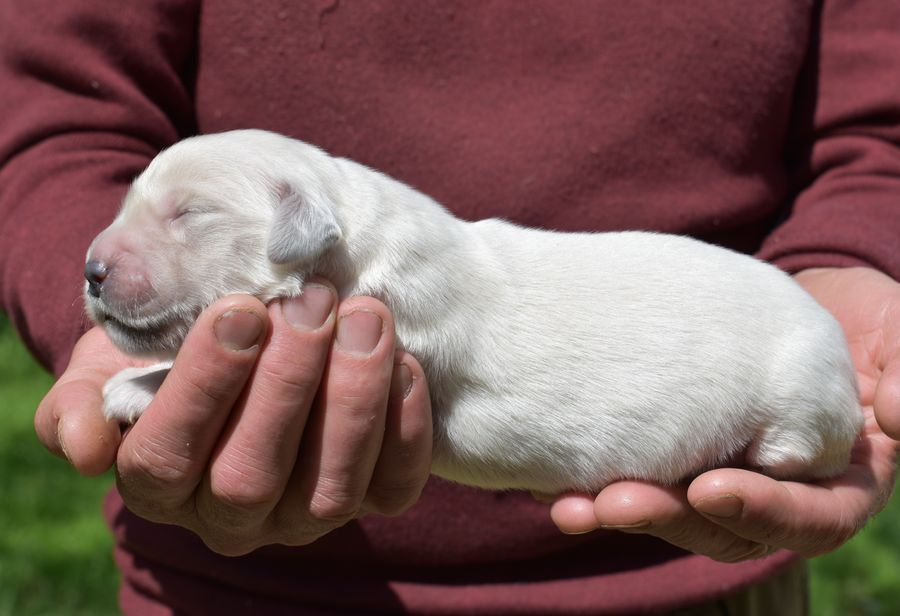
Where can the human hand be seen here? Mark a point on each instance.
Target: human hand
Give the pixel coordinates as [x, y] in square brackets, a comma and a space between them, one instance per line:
[263, 432]
[733, 514]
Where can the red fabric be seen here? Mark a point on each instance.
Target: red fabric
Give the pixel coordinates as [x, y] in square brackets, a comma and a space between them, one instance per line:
[353, 570]
[770, 127]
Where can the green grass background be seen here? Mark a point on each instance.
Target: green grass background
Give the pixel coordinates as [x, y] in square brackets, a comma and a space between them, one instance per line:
[56, 554]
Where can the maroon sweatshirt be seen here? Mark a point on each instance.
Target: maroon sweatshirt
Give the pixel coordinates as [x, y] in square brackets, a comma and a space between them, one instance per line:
[770, 126]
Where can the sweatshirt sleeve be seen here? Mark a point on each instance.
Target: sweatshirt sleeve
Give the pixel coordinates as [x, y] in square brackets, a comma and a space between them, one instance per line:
[847, 129]
[89, 92]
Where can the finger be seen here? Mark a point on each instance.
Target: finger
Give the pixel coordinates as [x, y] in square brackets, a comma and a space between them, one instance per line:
[873, 462]
[69, 420]
[405, 458]
[573, 514]
[887, 397]
[163, 457]
[257, 451]
[344, 435]
[807, 518]
[664, 512]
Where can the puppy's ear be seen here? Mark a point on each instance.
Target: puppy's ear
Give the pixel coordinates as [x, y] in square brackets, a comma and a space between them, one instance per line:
[303, 228]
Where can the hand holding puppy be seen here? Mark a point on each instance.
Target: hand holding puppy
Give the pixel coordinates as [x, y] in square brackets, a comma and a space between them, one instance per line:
[274, 426]
[731, 514]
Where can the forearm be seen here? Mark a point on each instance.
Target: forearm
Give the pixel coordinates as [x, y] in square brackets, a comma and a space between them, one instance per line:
[88, 96]
[47, 224]
[844, 150]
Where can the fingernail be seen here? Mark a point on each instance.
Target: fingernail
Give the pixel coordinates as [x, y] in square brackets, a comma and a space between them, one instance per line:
[402, 382]
[310, 310]
[238, 330]
[577, 532]
[62, 443]
[360, 331]
[635, 525]
[727, 506]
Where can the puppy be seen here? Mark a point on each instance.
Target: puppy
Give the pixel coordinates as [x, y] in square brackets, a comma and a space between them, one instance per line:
[555, 361]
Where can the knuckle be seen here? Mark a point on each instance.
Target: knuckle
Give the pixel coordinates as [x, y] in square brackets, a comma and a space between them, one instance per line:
[243, 500]
[393, 499]
[155, 486]
[334, 505]
[359, 412]
[288, 380]
[152, 466]
[332, 511]
[233, 508]
[228, 544]
[414, 451]
[238, 492]
[151, 510]
[205, 389]
[360, 403]
[154, 506]
[229, 530]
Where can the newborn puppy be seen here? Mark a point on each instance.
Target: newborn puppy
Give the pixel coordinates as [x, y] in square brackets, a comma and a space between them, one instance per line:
[556, 361]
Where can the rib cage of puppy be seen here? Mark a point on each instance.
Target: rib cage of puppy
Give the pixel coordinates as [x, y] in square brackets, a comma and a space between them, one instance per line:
[664, 357]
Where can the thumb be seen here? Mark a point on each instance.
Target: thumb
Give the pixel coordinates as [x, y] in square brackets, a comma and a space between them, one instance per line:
[887, 397]
[69, 420]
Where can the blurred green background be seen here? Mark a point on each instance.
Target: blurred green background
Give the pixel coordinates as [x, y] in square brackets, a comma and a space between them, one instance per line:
[55, 551]
[56, 554]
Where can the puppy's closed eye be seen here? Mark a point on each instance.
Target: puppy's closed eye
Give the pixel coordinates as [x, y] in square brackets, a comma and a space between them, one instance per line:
[190, 211]
[186, 212]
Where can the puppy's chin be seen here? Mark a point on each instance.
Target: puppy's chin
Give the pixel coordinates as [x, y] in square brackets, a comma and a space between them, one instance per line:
[159, 340]
[156, 336]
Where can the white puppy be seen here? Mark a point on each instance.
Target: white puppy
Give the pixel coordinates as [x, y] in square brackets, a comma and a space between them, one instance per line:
[556, 361]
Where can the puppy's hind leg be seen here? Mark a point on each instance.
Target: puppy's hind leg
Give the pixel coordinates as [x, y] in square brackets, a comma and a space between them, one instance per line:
[805, 444]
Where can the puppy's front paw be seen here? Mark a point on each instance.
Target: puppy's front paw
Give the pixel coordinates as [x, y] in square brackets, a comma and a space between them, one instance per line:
[130, 391]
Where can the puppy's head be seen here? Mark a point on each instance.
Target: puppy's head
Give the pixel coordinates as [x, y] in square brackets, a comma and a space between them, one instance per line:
[239, 212]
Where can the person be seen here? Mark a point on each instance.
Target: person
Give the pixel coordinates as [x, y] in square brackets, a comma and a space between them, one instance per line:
[283, 466]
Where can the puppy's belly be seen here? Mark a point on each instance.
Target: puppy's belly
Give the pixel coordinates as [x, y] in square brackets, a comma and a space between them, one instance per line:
[497, 443]
[553, 438]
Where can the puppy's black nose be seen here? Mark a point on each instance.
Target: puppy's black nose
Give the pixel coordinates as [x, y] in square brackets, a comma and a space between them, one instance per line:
[95, 272]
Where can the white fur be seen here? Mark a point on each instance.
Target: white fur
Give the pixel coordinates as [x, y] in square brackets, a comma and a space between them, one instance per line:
[129, 392]
[555, 361]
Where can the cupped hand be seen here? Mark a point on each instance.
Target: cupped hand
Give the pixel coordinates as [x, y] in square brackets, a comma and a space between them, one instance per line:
[732, 514]
[275, 425]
